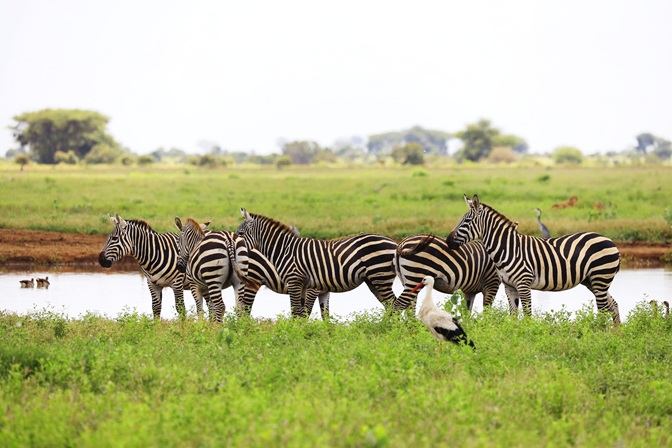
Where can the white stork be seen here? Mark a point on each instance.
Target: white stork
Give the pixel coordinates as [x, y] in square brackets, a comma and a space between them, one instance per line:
[440, 323]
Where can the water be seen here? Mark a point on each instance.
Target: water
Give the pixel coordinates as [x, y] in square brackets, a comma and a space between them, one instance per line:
[110, 293]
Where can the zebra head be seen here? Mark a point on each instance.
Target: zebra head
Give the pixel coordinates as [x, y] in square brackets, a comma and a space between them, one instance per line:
[260, 231]
[191, 234]
[470, 226]
[118, 243]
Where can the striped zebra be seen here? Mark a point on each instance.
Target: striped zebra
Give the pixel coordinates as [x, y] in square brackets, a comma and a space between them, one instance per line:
[155, 252]
[526, 262]
[336, 265]
[211, 262]
[214, 250]
[468, 268]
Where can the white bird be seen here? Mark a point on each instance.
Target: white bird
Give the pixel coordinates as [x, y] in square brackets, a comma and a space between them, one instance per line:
[440, 323]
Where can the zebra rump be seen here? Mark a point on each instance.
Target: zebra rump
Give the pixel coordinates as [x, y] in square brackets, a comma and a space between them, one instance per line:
[467, 268]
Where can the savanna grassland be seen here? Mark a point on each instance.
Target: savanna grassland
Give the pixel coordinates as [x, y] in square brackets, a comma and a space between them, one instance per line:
[374, 380]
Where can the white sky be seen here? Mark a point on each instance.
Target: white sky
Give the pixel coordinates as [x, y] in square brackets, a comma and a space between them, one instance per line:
[243, 74]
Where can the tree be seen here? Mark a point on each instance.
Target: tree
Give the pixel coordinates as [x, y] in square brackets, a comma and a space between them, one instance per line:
[514, 142]
[567, 154]
[50, 130]
[282, 162]
[478, 141]
[301, 152]
[432, 142]
[409, 154]
[22, 159]
[644, 141]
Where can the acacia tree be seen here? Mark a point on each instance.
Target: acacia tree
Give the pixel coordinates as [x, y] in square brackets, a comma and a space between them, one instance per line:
[409, 154]
[478, 141]
[49, 131]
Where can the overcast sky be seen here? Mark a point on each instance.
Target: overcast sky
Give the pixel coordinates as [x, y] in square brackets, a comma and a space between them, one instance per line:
[244, 74]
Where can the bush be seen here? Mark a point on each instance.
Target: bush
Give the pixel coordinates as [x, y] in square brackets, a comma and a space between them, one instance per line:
[567, 154]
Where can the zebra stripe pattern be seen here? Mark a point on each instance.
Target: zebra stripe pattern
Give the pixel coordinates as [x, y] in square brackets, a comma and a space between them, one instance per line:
[336, 265]
[526, 262]
[260, 271]
[211, 261]
[467, 268]
[155, 252]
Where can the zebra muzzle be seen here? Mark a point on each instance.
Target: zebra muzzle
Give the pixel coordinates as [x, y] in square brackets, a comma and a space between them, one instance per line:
[104, 262]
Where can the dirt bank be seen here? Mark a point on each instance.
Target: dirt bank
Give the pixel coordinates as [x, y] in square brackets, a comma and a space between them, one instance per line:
[25, 248]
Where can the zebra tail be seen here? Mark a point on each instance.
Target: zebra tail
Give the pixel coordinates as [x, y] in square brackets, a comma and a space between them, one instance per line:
[422, 244]
[233, 260]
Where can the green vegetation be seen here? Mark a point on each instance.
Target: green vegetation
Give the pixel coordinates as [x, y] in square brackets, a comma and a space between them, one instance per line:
[374, 381]
[624, 203]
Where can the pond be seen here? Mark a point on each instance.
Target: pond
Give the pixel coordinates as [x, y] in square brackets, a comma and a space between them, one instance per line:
[110, 293]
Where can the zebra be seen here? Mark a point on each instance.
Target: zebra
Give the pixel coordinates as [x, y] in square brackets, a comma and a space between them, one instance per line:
[526, 262]
[260, 271]
[209, 261]
[335, 265]
[155, 252]
[468, 268]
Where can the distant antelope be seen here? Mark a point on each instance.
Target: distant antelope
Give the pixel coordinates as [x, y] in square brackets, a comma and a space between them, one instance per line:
[27, 283]
[569, 203]
[43, 282]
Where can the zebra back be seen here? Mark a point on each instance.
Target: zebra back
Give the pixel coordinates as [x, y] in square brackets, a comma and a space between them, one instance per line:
[467, 268]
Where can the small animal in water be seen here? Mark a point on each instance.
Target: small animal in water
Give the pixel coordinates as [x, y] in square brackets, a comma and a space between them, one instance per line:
[27, 283]
[43, 282]
[441, 324]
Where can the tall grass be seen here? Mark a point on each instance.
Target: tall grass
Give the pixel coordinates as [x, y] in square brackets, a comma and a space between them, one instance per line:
[325, 202]
[373, 381]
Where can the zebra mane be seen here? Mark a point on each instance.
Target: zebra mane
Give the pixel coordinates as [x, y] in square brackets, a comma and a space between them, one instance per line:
[196, 226]
[273, 223]
[141, 224]
[500, 215]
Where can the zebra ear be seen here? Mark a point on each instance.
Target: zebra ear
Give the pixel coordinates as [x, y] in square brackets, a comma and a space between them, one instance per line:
[467, 200]
[113, 219]
[178, 223]
[245, 214]
[205, 225]
[475, 203]
[120, 221]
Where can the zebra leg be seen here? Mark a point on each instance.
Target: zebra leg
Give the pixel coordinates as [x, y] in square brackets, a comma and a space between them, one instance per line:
[383, 292]
[512, 296]
[198, 298]
[323, 300]
[247, 297]
[311, 296]
[405, 299]
[607, 303]
[296, 301]
[179, 302]
[157, 297]
[470, 298]
[489, 296]
[525, 294]
[216, 302]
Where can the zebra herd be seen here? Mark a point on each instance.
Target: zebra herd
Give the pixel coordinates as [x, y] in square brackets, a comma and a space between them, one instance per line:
[266, 252]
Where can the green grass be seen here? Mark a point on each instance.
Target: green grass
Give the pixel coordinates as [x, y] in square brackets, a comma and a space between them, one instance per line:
[373, 381]
[328, 202]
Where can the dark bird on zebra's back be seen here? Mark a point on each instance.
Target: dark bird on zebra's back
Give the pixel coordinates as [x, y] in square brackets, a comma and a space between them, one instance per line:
[442, 325]
[43, 282]
[27, 283]
[545, 233]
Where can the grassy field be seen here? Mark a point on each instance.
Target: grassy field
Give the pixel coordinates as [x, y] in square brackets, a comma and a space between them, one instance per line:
[372, 381]
[375, 381]
[325, 202]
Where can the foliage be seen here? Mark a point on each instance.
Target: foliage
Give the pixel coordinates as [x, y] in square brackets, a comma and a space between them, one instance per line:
[145, 160]
[68, 158]
[22, 159]
[409, 154]
[500, 154]
[432, 142]
[51, 130]
[567, 154]
[374, 381]
[304, 152]
[478, 141]
[283, 162]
